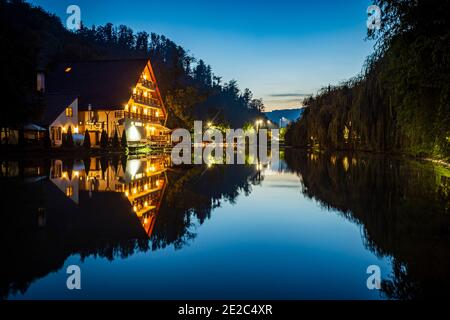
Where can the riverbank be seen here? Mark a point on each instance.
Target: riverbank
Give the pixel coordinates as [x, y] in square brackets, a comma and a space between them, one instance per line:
[437, 161]
[79, 152]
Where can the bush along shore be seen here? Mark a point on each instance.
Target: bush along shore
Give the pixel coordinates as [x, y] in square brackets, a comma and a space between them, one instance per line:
[68, 146]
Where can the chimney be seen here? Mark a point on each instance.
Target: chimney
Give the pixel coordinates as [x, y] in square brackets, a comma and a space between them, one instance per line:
[41, 81]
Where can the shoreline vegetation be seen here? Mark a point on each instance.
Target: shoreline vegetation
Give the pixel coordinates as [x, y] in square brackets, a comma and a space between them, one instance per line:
[400, 103]
[437, 162]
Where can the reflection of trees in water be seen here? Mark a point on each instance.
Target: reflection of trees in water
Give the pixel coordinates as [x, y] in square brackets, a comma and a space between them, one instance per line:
[192, 194]
[102, 224]
[30, 251]
[401, 286]
[403, 206]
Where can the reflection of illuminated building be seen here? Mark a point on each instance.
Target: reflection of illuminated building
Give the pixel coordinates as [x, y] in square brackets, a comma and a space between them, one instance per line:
[142, 181]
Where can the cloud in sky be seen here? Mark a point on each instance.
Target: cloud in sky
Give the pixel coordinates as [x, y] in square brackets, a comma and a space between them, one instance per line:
[290, 95]
[278, 101]
[287, 100]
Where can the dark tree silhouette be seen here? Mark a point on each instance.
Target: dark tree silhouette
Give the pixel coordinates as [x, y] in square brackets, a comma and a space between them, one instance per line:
[104, 140]
[87, 140]
[124, 141]
[401, 101]
[116, 141]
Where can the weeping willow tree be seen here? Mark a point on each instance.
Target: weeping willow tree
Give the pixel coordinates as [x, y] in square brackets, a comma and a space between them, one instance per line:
[401, 101]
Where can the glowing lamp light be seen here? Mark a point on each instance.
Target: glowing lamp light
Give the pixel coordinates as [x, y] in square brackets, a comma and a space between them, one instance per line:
[76, 130]
[134, 91]
[210, 124]
[135, 209]
[133, 134]
[145, 221]
[134, 191]
[145, 94]
[134, 108]
[157, 114]
[126, 107]
[145, 77]
[145, 111]
[146, 187]
[146, 203]
[126, 193]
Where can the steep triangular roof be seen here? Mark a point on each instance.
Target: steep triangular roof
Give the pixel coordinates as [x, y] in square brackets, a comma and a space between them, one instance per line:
[55, 104]
[103, 84]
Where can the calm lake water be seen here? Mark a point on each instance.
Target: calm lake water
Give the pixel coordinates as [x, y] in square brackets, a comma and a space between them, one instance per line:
[307, 227]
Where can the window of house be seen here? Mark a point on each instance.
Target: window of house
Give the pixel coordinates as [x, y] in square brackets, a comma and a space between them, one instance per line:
[69, 192]
[69, 112]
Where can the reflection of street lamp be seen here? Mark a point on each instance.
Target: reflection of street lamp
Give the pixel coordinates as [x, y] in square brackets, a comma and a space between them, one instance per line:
[258, 124]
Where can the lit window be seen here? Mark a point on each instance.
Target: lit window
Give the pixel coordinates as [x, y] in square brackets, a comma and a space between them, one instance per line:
[69, 192]
[69, 112]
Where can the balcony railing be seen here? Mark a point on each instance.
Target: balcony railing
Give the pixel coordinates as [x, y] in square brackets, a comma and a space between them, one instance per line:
[158, 138]
[147, 83]
[146, 100]
[138, 116]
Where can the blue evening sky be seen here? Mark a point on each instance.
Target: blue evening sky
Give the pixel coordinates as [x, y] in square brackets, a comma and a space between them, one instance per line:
[279, 49]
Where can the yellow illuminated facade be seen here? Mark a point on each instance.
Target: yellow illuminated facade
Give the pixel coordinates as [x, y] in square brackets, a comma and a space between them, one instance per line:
[142, 181]
[142, 117]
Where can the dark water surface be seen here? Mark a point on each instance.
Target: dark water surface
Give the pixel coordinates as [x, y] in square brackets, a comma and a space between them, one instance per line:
[307, 227]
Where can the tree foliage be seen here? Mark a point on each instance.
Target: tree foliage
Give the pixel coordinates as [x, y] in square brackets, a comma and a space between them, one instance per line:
[104, 141]
[87, 140]
[401, 101]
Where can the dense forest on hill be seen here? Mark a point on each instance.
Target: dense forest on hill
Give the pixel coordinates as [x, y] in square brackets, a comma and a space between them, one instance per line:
[33, 39]
[401, 101]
